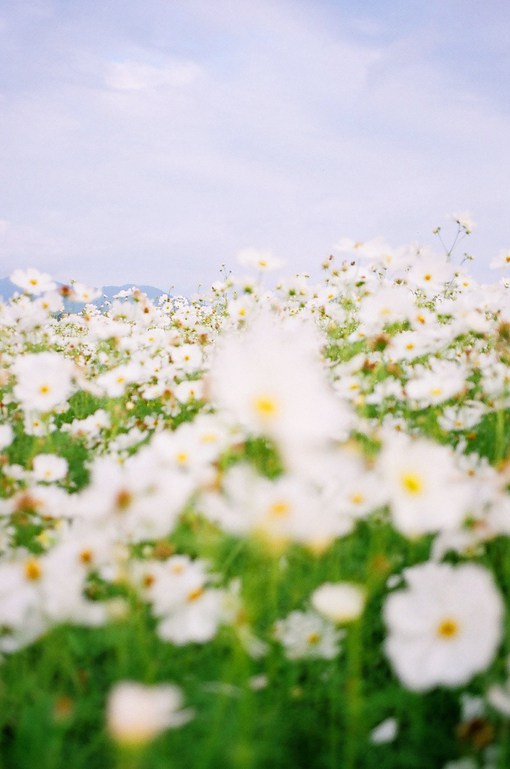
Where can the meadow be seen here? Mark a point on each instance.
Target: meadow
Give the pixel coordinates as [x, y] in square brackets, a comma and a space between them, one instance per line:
[264, 526]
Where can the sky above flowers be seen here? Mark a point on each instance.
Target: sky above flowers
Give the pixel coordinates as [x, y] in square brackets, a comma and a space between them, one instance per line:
[152, 142]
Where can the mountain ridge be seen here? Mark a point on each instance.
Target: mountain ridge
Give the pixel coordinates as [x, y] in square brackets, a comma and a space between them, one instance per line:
[8, 289]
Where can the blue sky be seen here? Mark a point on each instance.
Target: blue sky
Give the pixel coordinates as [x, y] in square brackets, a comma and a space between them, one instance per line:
[149, 142]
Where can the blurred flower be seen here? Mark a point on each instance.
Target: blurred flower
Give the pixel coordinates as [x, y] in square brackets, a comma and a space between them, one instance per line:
[43, 380]
[32, 281]
[137, 713]
[464, 220]
[306, 634]
[427, 491]
[269, 378]
[386, 731]
[49, 467]
[6, 436]
[500, 261]
[261, 260]
[340, 602]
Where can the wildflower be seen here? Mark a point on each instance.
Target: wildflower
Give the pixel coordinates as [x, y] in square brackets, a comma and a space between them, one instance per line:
[427, 491]
[6, 436]
[137, 713]
[464, 220]
[49, 467]
[501, 260]
[32, 281]
[264, 261]
[306, 634]
[445, 627]
[385, 732]
[270, 379]
[43, 380]
[340, 602]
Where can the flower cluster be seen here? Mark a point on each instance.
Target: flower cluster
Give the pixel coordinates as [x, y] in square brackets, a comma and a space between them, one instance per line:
[294, 474]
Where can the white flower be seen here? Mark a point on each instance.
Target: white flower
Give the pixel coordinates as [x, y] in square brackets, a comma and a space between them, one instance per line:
[49, 467]
[32, 281]
[428, 493]
[261, 260]
[82, 293]
[6, 436]
[305, 634]
[501, 260]
[43, 380]
[270, 379]
[464, 220]
[386, 731]
[445, 627]
[340, 602]
[137, 713]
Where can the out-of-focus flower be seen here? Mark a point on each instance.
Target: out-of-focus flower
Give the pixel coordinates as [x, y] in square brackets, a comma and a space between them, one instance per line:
[137, 713]
[464, 220]
[270, 379]
[445, 627]
[340, 602]
[43, 380]
[427, 491]
[6, 436]
[32, 281]
[82, 293]
[500, 261]
[306, 634]
[386, 731]
[264, 261]
[49, 467]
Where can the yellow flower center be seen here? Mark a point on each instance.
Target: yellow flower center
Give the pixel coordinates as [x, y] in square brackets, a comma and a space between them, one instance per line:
[412, 483]
[44, 389]
[279, 509]
[123, 499]
[33, 570]
[195, 594]
[265, 406]
[313, 638]
[448, 628]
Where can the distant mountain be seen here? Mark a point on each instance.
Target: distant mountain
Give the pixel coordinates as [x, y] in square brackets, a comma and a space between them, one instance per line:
[7, 289]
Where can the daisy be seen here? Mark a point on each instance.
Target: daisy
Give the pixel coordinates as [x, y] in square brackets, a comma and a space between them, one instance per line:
[32, 281]
[445, 627]
[43, 380]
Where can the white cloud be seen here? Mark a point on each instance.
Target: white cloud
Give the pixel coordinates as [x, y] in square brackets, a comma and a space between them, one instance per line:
[137, 76]
[224, 125]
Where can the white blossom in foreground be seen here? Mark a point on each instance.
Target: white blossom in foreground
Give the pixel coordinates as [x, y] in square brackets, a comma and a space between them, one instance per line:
[32, 281]
[384, 732]
[137, 713]
[49, 467]
[340, 602]
[270, 379]
[43, 380]
[6, 436]
[427, 491]
[445, 627]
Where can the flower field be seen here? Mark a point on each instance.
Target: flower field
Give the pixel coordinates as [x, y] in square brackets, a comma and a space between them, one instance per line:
[261, 527]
